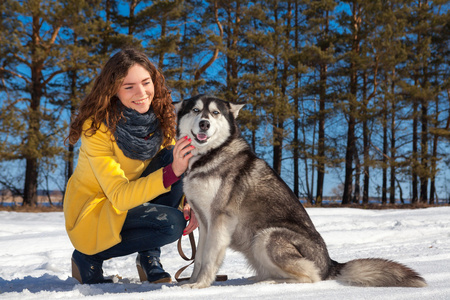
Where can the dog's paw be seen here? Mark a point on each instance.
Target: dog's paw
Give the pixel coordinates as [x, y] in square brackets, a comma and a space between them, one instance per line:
[187, 285]
[196, 285]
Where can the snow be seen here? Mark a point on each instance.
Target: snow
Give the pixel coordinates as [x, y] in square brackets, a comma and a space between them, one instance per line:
[35, 259]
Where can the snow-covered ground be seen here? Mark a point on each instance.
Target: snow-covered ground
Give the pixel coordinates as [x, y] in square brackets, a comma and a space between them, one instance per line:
[35, 259]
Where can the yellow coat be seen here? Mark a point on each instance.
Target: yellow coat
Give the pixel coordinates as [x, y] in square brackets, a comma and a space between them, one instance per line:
[103, 187]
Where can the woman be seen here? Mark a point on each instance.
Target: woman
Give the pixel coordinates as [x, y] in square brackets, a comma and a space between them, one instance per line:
[124, 194]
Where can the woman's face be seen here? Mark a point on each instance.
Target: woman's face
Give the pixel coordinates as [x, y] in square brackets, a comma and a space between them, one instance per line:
[137, 89]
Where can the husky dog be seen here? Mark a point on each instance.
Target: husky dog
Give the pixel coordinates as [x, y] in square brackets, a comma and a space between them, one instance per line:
[242, 203]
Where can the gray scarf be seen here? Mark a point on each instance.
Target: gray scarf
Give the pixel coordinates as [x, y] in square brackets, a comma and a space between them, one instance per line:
[139, 136]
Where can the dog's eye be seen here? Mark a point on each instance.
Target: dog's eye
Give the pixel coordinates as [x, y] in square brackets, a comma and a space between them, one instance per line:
[196, 110]
[216, 112]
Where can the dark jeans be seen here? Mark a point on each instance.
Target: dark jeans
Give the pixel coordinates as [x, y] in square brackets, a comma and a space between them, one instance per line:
[154, 224]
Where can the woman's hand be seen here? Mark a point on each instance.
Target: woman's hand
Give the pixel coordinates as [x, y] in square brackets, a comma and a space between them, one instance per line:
[190, 216]
[181, 155]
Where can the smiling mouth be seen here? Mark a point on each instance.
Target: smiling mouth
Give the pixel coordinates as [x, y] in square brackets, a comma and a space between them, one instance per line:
[139, 102]
[200, 137]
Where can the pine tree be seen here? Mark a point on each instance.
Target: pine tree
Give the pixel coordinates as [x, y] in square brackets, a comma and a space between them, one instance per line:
[157, 29]
[35, 58]
[178, 66]
[351, 41]
[439, 41]
[267, 39]
[277, 46]
[216, 41]
[251, 61]
[83, 30]
[297, 93]
[393, 56]
[319, 55]
[425, 58]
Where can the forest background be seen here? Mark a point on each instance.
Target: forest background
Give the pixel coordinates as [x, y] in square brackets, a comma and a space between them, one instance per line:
[357, 91]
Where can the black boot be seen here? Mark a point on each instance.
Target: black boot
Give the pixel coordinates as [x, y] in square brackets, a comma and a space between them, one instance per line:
[151, 270]
[87, 269]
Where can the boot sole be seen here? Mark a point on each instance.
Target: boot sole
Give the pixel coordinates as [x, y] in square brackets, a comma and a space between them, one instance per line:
[76, 272]
[143, 276]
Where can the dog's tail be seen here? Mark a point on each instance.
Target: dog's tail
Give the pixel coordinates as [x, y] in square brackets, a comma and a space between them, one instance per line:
[377, 272]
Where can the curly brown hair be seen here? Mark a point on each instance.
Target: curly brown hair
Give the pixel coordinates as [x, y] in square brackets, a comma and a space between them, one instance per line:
[101, 103]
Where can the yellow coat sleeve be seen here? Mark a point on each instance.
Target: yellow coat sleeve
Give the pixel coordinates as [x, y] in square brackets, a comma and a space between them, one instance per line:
[123, 193]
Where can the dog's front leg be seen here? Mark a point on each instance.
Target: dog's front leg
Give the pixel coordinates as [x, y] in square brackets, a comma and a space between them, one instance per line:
[217, 239]
[202, 230]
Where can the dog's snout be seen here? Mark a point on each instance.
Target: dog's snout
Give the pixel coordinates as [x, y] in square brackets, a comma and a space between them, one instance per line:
[204, 125]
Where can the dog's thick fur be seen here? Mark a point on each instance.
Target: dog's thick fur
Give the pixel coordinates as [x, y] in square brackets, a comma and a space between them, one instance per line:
[242, 203]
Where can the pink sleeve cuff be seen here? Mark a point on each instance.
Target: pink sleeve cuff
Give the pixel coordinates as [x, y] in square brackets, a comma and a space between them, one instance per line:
[169, 176]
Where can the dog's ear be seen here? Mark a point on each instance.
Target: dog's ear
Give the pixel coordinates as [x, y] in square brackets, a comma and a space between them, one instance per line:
[178, 106]
[235, 108]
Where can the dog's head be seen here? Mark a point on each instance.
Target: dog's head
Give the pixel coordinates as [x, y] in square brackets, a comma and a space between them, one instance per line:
[207, 120]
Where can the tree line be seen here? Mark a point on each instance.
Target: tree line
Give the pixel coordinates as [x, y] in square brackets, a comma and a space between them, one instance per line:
[357, 88]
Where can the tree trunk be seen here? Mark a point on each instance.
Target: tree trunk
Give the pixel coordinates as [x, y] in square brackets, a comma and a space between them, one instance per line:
[433, 168]
[31, 183]
[232, 39]
[424, 153]
[32, 142]
[392, 152]
[433, 165]
[277, 122]
[305, 160]
[357, 192]
[73, 108]
[321, 133]
[31, 171]
[351, 138]
[415, 140]
[163, 36]
[277, 146]
[349, 160]
[322, 101]
[132, 17]
[366, 142]
[296, 106]
[385, 153]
